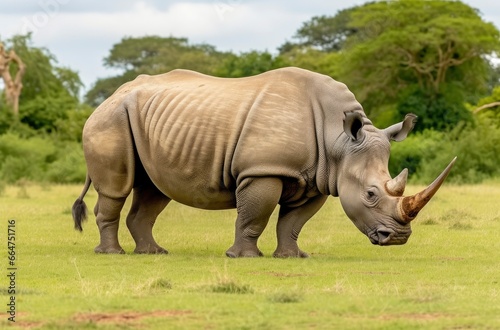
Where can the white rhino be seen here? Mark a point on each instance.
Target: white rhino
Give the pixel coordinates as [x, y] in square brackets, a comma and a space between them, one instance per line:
[289, 137]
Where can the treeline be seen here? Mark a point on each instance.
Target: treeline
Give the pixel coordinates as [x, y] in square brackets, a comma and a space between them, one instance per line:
[429, 58]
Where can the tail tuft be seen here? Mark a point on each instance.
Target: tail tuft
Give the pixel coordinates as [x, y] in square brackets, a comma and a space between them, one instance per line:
[79, 213]
[79, 209]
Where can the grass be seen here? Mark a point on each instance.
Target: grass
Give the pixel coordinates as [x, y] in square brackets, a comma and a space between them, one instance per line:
[445, 277]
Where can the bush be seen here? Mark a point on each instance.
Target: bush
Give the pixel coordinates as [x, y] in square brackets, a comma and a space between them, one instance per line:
[40, 159]
[69, 167]
[70, 128]
[478, 150]
[413, 151]
[42, 112]
[476, 145]
[24, 158]
[6, 115]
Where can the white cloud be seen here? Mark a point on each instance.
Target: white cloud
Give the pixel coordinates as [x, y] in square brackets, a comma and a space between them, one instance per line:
[138, 20]
[81, 33]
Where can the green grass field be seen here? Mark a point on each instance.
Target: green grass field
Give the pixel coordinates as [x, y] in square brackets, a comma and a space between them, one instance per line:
[446, 277]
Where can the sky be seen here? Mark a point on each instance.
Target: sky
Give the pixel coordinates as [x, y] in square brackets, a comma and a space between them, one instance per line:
[80, 33]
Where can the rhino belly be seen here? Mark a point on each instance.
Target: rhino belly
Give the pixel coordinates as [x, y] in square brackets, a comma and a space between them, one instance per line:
[193, 189]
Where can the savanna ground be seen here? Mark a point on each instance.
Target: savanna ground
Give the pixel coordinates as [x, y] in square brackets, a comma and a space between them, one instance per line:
[446, 277]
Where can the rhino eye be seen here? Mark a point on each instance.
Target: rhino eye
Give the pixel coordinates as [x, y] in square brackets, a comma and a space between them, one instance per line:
[371, 198]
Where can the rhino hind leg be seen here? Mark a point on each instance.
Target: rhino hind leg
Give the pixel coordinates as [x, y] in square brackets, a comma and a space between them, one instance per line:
[107, 212]
[290, 223]
[147, 204]
[110, 156]
[256, 199]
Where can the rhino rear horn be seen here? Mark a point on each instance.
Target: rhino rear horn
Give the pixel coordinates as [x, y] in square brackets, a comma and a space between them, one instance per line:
[411, 205]
[396, 186]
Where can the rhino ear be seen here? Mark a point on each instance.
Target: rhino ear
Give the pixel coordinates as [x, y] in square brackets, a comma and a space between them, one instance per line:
[353, 124]
[398, 132]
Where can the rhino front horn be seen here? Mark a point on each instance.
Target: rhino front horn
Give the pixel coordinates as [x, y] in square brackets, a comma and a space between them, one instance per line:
[410, 206]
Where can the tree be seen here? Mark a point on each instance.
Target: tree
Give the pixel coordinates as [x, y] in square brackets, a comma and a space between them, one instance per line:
[311, 59]
[49, 91]
[152, 55]
[428, 49]
[104, 87]
[397, 54]
[319, 42]
[439, 36]
[325, 33]
[440, 111]
[248, 64]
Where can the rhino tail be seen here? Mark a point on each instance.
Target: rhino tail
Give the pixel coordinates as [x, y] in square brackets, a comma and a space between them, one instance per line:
[79, 209]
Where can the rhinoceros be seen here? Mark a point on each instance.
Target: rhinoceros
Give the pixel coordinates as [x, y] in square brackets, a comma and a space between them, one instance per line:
[289, 136]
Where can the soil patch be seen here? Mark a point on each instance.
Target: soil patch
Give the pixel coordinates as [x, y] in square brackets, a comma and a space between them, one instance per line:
[27, 325]
[126, 317]
[24, 324]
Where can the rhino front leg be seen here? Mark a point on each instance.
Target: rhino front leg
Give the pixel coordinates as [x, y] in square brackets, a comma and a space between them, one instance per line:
[107, 212]
[256, 199]
[147, 204]
[290, 223]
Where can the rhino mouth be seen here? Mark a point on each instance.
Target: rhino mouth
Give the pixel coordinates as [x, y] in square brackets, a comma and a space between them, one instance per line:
[386, 236]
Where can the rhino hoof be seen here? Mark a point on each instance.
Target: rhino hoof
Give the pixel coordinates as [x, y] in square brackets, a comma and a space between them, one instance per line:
[153, 250]
[290, 254]
[109, 250]
[233, 253]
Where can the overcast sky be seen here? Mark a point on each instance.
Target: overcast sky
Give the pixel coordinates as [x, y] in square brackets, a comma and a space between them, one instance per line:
[80, 33]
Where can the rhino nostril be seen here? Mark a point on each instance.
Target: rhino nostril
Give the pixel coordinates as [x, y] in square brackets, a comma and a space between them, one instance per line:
[383, 236]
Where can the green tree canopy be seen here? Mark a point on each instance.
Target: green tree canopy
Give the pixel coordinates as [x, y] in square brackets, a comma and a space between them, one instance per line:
[431, 51]
[427, 57]
[152, 55]
[310, 58]
[248, 64]
[325, 33]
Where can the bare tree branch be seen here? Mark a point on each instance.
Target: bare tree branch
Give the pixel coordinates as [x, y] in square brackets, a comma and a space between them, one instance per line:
[14, 86]
[486, 106]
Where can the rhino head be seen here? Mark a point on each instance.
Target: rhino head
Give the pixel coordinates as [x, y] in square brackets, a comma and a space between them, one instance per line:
[370, 197]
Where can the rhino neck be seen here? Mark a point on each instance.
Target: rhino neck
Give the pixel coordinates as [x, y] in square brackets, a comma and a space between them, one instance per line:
[326, 177]
[334, 162]
[329, 104]
[328, 162]
[332, 182]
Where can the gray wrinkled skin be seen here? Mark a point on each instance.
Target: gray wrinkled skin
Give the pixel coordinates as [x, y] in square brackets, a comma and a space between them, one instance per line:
[289, 137]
